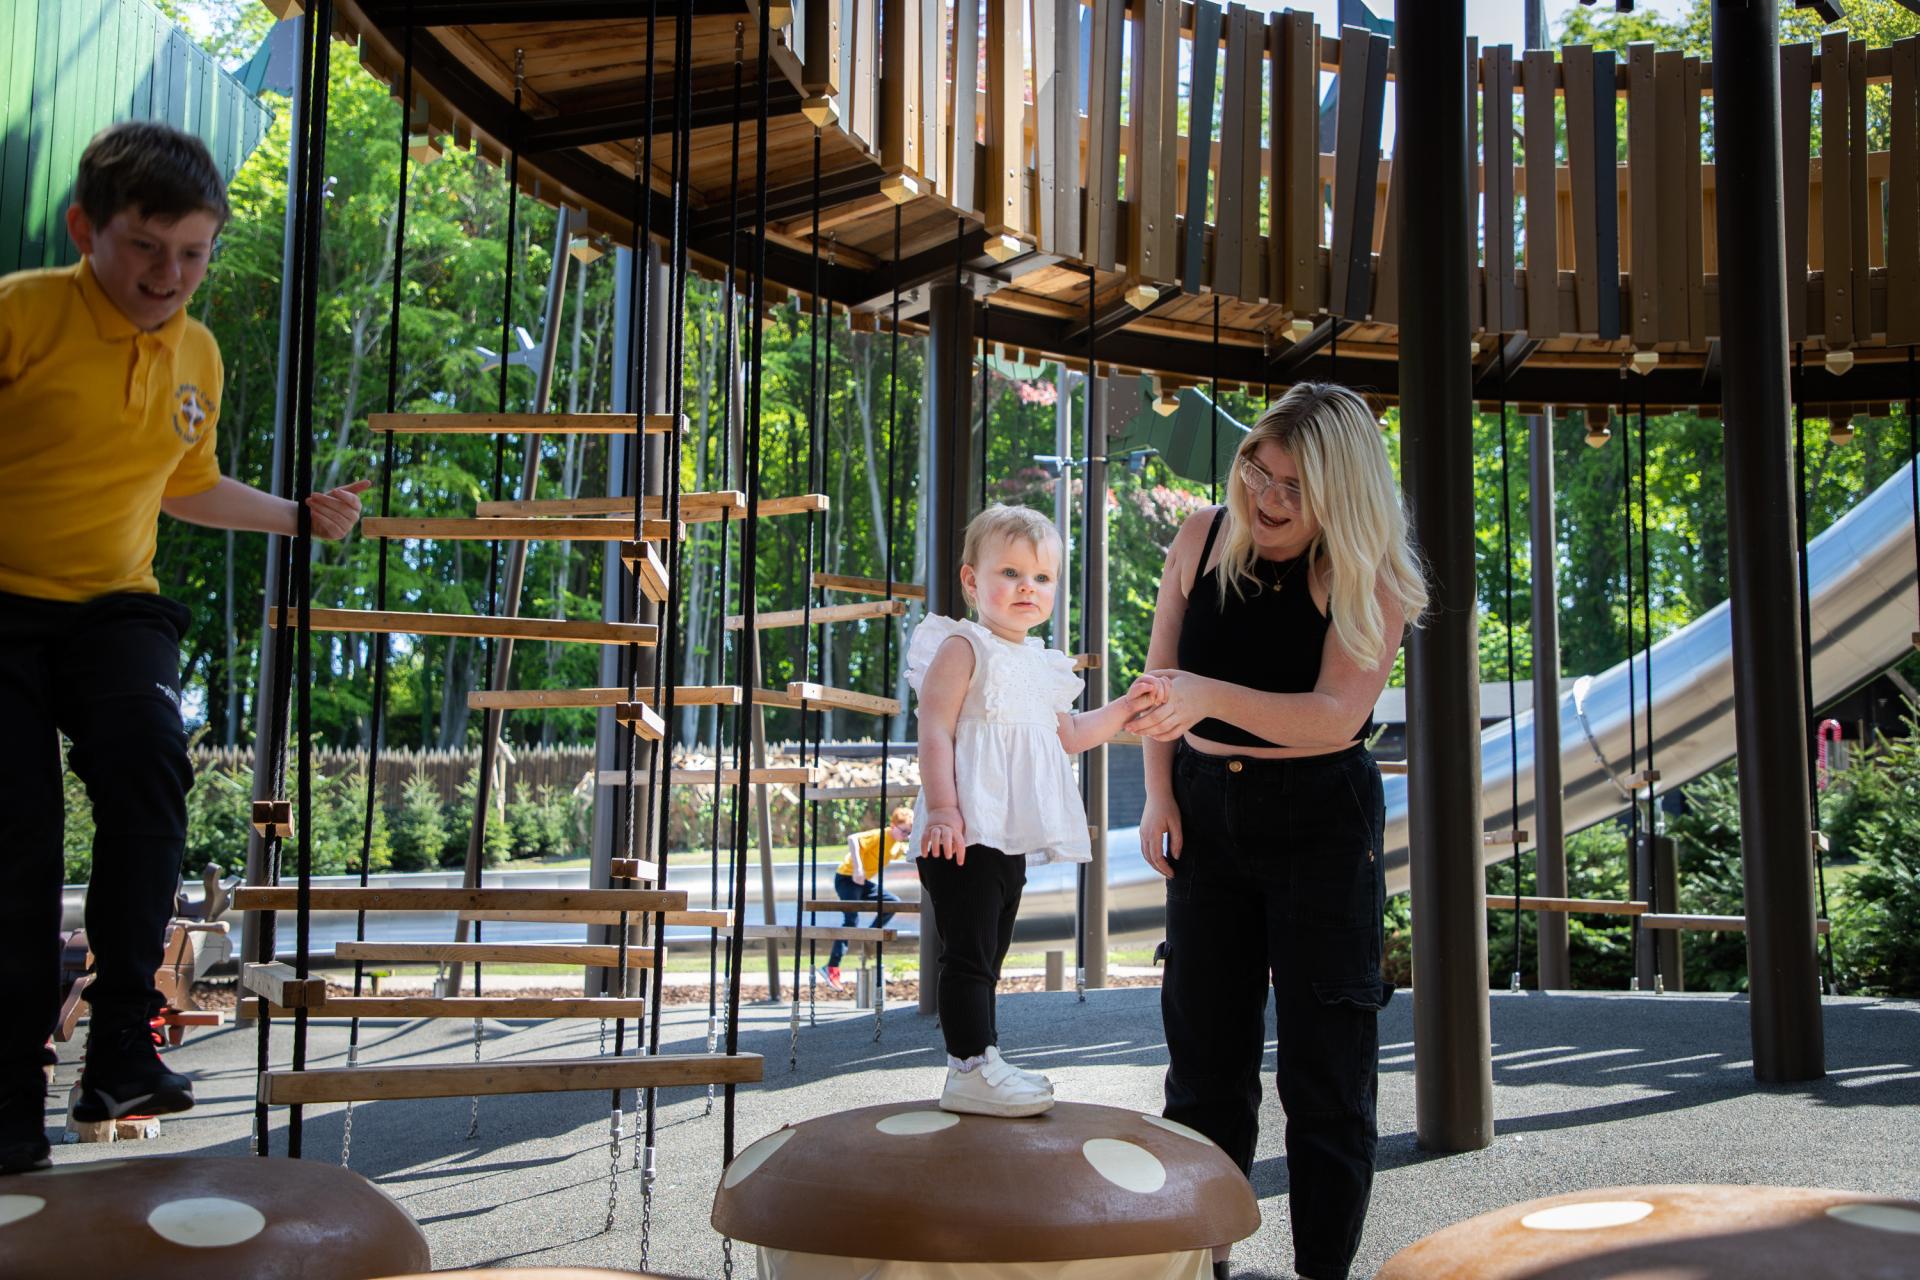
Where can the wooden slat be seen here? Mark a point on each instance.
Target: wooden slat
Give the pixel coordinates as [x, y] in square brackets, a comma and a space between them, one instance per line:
[902, 791]
[633, 868]
[279, 983]
[281, 898]
[559, 1075]
[818, 933]
[1543, 251]
[1476, 290]
[897, 124]
[1235, 103]
[512, 528]
[864, 80]
[1643, 195]
[470, 1007]
[1044, 14]
[393, 622]
[1150, 105]
[787, 775]
[1386, 275]
[1836, 211]
[1694, 286]
[1295, 248]
[1066, 126]
[860, 907]
[909, 74]
[1671, 206]
[1086, 662]
[694, 507]
[1708, 924]
[642, 719]
[1100, 242]
[1903, 197]
[1577, 69]
[1606, 222]
[686, 695]
[820, 67]
[546, 424]
[777, 618]
[1796, 132]
[820, 695]
[646, 565]
[698, 917]
[1006, 163]
[1858, 144]
[1206, 63]
[598, 955]
[1163, 187]
[966, 48]
[1363, 85]
[1576, 906]
[1498, 201]
[869, 586]
[932, 107]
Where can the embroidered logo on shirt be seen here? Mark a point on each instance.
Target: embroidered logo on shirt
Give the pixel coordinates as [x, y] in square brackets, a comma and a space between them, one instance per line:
[191, 412]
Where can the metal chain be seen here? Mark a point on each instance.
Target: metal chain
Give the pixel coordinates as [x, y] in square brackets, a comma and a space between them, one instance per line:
[613, 1163]
[813, 991]
[639, 1051]
[603, 1037]
[473, 1117]
[646, 1210]
[879, 999]
[793, 1034]
[726, 1257]
[713, 1040]
[346, 1133]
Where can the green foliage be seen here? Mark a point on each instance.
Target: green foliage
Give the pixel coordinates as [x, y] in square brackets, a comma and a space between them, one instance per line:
[546, 823]
[498, 845]
[1712, 879]
[77, 836]
[339, 824]
[1876, 920]
[420, 826]
[219, 819]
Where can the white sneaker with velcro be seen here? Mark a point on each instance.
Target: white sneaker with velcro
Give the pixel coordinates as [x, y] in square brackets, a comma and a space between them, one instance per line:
[994, 1088]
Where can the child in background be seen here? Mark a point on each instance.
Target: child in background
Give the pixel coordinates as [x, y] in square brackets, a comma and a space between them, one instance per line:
[857, 880]
[997, 788]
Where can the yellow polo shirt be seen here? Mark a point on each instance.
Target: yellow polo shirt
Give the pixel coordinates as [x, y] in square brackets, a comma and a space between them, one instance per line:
[99, 421]
[868, 842]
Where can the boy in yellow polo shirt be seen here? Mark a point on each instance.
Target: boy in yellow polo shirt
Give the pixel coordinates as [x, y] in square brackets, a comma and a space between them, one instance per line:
[109, 399]
[857, 880]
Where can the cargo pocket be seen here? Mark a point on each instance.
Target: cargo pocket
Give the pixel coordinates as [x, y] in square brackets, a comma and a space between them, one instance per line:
[1368, 993]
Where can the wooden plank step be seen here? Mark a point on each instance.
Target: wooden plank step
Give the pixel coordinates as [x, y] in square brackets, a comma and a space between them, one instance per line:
[837, 904]
[1504, 836]
[599, 955]
[470, 1007]
[869, 586]
[634, 869]
[1086, 662]
[696, 917]
[281, 898]
[791, 775]
[686, 695]
[821, 695]
[902, 791]
[694, 507]
[397, 622]
[510, 529]
[821, 933]
[1709, 924]
[279, 983]
[776, 618]
[546, 424]
[557, 1075]
[1574, 906]
[642, 719]
[645, 564]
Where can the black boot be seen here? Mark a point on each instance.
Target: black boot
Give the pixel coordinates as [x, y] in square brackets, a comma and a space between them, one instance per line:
[124, 1075]
[1221, 1270]
[23, 1122]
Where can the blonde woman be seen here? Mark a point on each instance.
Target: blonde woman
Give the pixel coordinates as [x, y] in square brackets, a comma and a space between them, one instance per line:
[1278, 620]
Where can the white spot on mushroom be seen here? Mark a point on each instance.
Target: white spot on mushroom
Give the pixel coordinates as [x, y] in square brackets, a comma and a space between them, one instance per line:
[910, 1124]
[1174, 1126]
[1590, 1216]
[207, 1222]
[14, 1208]
[1880, 1217]
[1125, 1164]
[754, 1156]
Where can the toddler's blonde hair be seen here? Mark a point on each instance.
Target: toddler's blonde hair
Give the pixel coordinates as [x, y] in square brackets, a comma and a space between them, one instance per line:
[1001, 521]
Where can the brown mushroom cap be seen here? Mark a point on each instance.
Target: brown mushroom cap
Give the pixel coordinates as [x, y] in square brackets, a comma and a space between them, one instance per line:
[538, 1273]
[1077, 1182]
[197, 1216]
[1700, 1232]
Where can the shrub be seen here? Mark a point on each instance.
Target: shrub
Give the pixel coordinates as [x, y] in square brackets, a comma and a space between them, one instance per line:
[219, 819]
[1876, 926]
[499, 840]
[420, 826]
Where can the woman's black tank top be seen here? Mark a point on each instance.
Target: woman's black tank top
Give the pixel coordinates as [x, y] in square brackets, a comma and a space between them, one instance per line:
[1270, 639]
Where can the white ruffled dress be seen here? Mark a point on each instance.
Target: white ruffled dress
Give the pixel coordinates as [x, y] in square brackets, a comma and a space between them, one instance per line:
[1014, 780]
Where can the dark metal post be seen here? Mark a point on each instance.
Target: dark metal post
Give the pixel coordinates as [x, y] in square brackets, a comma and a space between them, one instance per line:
[1550, 842]
[951, 484]
[1770, 723]
[1453, 1074]
[1093, 613]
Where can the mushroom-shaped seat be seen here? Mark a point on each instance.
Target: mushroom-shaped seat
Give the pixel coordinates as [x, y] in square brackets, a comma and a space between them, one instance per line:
[538, 1273]
[1699, 1232]
[1080, 1191]
[192, 1217]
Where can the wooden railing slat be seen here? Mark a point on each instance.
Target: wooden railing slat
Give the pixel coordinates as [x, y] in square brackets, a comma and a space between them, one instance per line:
[283, 897]
[1234, 181]
[1643, 196]
[1903, 197]
[1543, 252]
[1206, 70]
[348, 1084]
[396, 622]
[1857, 190]
[1836, 213]
[1796, 133]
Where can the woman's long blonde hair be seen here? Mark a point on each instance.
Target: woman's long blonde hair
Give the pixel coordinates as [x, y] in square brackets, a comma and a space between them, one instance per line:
[1347, 484]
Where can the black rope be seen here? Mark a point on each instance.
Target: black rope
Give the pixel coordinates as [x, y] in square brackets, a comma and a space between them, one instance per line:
[886, 640]
[1633, 701]
[985, 352]
[1213, 414]
[1513, 709]
[1801, 501]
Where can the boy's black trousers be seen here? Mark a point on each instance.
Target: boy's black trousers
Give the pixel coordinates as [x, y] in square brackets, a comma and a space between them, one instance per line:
[106, 673]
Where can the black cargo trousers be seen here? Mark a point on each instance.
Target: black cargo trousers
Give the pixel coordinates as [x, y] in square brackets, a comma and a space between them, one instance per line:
[1281, 882]
[106, 673]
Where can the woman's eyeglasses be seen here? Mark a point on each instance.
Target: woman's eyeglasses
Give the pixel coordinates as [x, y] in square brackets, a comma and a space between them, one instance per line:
[1260, 486]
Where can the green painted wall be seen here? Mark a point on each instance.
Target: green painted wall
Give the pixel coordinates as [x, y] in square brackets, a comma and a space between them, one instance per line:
[69, 68]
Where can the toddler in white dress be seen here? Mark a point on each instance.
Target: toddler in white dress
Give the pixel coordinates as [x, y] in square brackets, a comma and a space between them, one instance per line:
[997, 788]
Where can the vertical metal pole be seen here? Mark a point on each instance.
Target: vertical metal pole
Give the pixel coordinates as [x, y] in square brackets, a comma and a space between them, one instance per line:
[1453, 1074]
[951, 486]
[1770, 725]
[1550, 842]
[1063, 504]
[1093, 612]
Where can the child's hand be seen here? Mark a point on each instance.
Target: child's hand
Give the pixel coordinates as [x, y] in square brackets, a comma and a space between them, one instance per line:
[336, 511]
[1145, 692]
[946, 836]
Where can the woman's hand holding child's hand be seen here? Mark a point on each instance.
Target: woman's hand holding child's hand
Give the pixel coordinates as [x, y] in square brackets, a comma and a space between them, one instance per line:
[946, 836]
[1147, 692]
